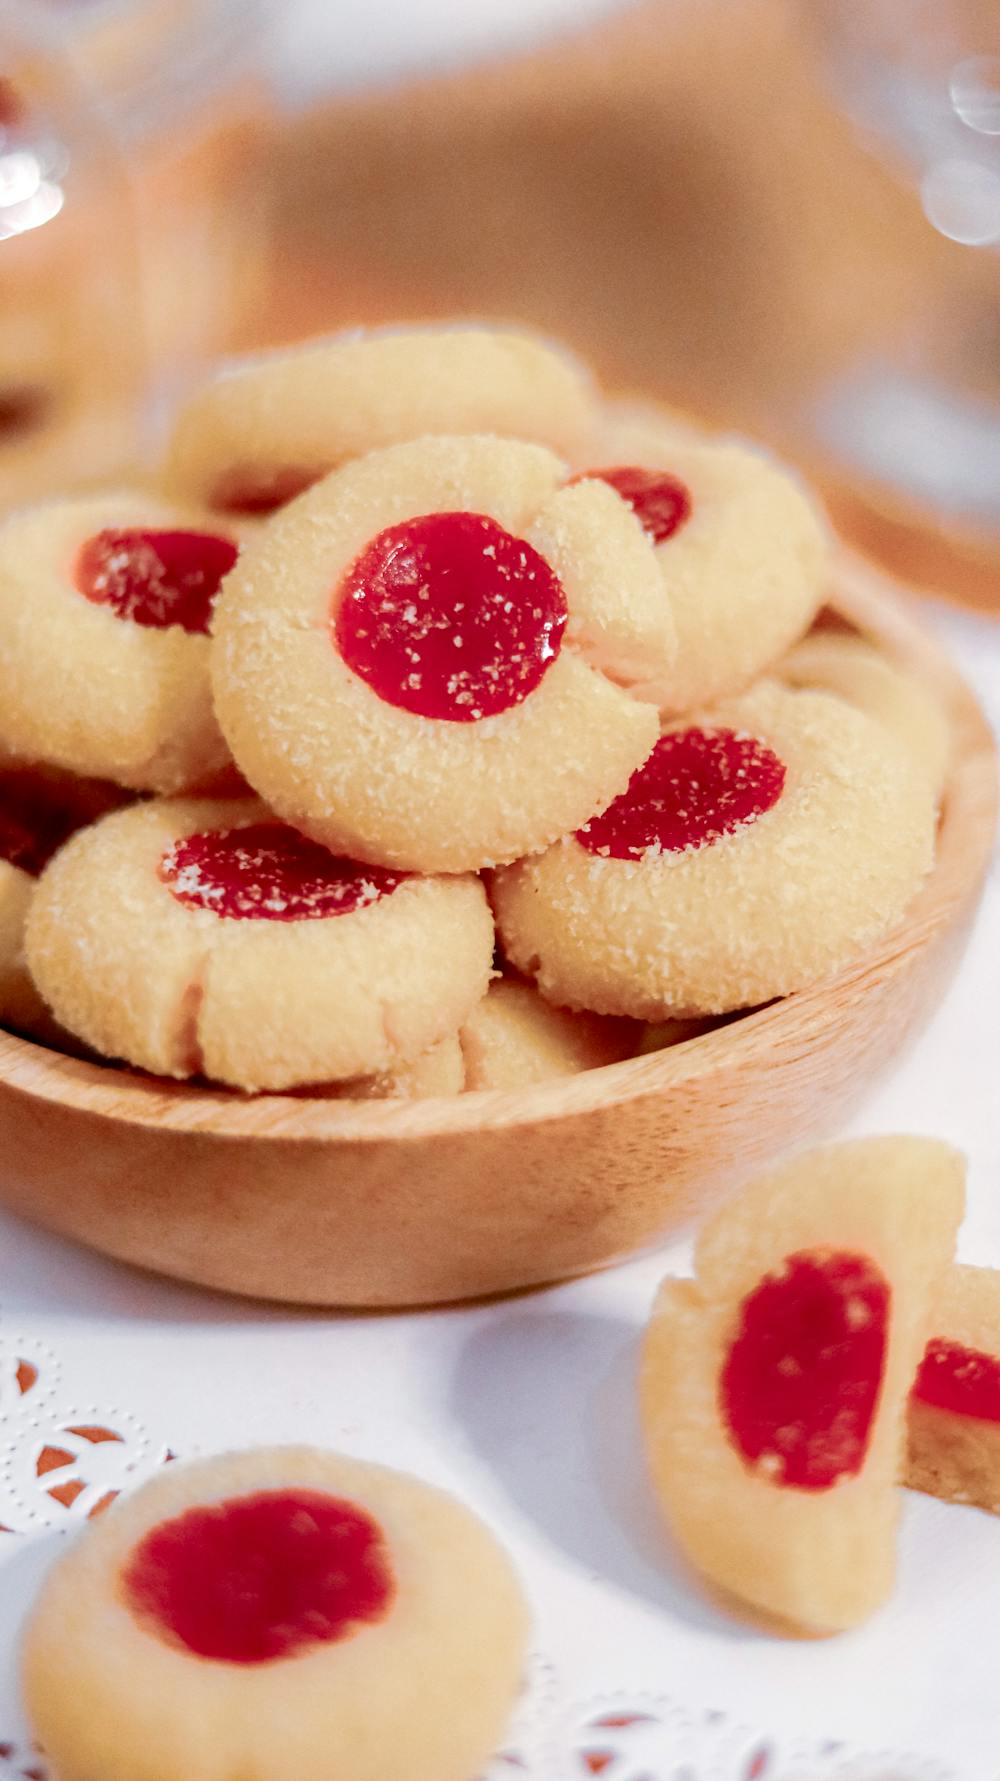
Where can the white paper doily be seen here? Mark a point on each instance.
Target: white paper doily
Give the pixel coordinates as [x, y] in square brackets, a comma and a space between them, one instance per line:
[526, 1409]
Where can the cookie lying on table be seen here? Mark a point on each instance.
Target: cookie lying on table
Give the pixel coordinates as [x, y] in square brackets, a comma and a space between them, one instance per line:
[252, 1614]
[775, 1383]
[954, 1433]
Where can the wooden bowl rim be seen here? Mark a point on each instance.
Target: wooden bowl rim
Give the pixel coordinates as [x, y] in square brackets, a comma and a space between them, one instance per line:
[871, 603]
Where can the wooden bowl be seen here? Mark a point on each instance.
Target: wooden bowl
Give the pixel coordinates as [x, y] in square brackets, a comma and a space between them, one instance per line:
[382, 1203]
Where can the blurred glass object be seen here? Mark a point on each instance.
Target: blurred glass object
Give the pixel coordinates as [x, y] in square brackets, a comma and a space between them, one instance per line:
[320, 47]
[71, 362]
[181, 85]
[921, 80]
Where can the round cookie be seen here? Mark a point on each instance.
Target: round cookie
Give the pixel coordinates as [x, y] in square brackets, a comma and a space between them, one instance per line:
[741, 552]
[511, 1039]
[39, 810]
[839, 662]
[271, 426]
[395, 667]
[105, 603]
[638, 432]
[204, 938]
[762, 846]
[437, 1071]
[275, 1613]
[514, 1038]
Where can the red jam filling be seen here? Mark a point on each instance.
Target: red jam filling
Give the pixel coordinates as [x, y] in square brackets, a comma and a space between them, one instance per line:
[661, 502]
[261, 1577]
[35, 819]
[253, 491]
[800, 1384]
[449, 616]
[156, 578]
[695, 787]
[963, 1380]
[266, 872]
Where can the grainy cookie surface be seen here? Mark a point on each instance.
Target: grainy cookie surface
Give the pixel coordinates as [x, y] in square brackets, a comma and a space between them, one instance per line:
[741, 550]
[136, 1669]
[513, 1037]
[269, 426]
[198, 937]
[835, 837]
[105, 604]
[837, 662]
[467, 727]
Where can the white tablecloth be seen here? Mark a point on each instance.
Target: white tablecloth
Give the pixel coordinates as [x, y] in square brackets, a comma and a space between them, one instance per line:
[526, 1409]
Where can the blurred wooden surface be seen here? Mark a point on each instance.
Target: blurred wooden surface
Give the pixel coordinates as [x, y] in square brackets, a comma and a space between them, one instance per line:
[673, 192]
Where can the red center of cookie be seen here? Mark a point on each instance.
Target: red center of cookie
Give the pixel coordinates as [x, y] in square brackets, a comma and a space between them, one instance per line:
[156, 578]
[963, 1380]
[695, 787]
[266, 872]
[801, 1381]
[661, 502]
[35, 819]
[261, 1577]
[449, 616]
[253, 490]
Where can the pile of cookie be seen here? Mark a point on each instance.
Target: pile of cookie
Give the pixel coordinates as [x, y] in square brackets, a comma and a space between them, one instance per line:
[464, 730]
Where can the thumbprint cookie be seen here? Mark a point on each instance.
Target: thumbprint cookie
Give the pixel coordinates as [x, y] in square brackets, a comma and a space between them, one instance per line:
[276, 1613]
[395, 669]
[845, 664]
[741, 555]
[198, 937]
[39, 809]
[271, 426]
[750, 856]
[105, 607]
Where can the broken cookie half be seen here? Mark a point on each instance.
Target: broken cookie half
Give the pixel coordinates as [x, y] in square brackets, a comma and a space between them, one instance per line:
[775, 1383]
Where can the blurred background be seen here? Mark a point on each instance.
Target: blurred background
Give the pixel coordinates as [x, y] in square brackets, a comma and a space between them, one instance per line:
[780, 215]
